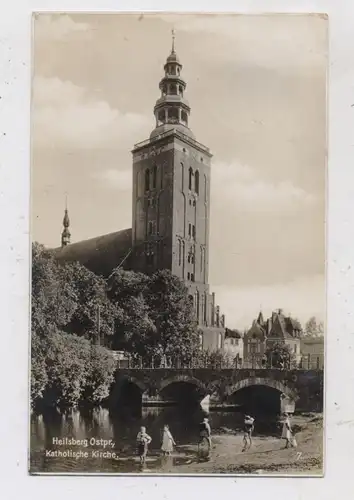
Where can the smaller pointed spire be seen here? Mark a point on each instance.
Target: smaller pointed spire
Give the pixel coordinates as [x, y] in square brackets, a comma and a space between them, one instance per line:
[173, 41]
[65, 235]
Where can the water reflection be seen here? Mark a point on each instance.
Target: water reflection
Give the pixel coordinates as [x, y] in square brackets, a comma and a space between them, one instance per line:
[48, 433]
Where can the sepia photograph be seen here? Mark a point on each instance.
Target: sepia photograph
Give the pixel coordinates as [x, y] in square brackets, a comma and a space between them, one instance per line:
[178, 244]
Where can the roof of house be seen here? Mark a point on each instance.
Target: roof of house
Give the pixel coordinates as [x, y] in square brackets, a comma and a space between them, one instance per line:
[277, 326]
[101, 254]
[232, 334]
[256, 331]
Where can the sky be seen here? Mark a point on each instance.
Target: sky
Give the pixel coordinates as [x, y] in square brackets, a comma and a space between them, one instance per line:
[256, 85]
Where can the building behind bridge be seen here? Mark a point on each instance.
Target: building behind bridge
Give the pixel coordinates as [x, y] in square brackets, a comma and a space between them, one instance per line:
[233, 346]
[171, 209]
[277, 329]
[312, 353]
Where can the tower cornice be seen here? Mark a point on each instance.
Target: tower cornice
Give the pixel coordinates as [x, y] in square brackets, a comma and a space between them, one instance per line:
[173, 133]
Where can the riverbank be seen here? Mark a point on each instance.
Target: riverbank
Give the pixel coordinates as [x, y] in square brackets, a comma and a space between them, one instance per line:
[267, 455]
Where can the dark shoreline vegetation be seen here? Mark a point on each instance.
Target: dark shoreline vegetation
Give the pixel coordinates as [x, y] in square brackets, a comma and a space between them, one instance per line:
[78, 318]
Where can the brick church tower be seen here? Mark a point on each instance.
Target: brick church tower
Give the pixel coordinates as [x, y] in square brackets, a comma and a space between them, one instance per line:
[171, 201]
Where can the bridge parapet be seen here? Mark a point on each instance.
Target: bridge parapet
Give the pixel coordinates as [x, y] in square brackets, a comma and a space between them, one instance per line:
[303, 386]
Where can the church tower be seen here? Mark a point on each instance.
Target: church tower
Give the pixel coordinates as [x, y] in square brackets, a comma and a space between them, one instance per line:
[171, 196]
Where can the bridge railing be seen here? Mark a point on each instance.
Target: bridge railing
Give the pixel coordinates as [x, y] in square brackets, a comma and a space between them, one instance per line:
[154, 363]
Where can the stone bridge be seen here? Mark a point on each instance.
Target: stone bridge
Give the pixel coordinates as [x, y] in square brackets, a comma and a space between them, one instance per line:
[304, 388]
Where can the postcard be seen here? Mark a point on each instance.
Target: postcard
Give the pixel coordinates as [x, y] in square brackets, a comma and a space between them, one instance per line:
[178, 187]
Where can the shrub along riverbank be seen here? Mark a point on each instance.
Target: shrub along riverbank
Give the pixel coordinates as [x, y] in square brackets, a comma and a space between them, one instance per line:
[79, 317]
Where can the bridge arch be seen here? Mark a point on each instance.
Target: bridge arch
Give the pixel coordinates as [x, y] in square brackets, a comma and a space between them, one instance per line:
[252, 381]
[188, 379]
[133, 380]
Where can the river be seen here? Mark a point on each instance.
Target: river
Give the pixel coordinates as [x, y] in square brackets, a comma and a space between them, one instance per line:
[107, 441]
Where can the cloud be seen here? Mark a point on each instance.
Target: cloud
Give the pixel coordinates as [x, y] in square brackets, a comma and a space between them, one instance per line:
[269, 40]
[242, 187]
[65, 115]
[58, 27]
[115, 179]
[301, 298]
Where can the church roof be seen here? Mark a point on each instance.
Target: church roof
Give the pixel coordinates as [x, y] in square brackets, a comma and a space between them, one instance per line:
[101, 254]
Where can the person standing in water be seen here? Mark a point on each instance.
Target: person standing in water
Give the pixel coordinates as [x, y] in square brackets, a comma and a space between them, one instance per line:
[167, 441]
[205, 432]
[287, 433]
[143, 440]
[248, 430]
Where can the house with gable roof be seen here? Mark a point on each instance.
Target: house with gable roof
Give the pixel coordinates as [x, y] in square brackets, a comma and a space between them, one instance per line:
[277, 329]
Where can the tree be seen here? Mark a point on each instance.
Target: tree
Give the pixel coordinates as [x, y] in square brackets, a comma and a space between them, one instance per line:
[94, 316]
[69, 297]
[100, 368]
[133, 326]
[53, 298]
[280, 356]
[158, 318]
[171, 310]
[314, 328]
[68, 370]
[66, 366]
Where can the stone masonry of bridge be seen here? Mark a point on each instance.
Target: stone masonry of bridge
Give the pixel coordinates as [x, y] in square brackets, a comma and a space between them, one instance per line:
[303, 387]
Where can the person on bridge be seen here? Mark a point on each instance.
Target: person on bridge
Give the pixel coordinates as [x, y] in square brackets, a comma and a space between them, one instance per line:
[248, 430]
[143, 440]
[167, 441]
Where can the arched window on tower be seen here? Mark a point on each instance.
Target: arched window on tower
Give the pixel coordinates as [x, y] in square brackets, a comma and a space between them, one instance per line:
[219, 341]
[196, 181]
[201, 259]
[203, 308]
[190, 171]
[147, 179]
[179, 252]
[197, 304]
[161, 117]
[154, 177]
[173, 115]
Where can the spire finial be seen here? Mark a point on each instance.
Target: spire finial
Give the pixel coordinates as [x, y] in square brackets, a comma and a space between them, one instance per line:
[173, 40]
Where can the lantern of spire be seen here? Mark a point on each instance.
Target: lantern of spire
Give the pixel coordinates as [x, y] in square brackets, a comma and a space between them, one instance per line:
[172, 109]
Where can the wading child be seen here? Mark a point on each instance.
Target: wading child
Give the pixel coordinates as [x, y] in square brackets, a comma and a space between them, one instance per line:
[167, 441]
[248, 430]
[143, 440]
[287, 433]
